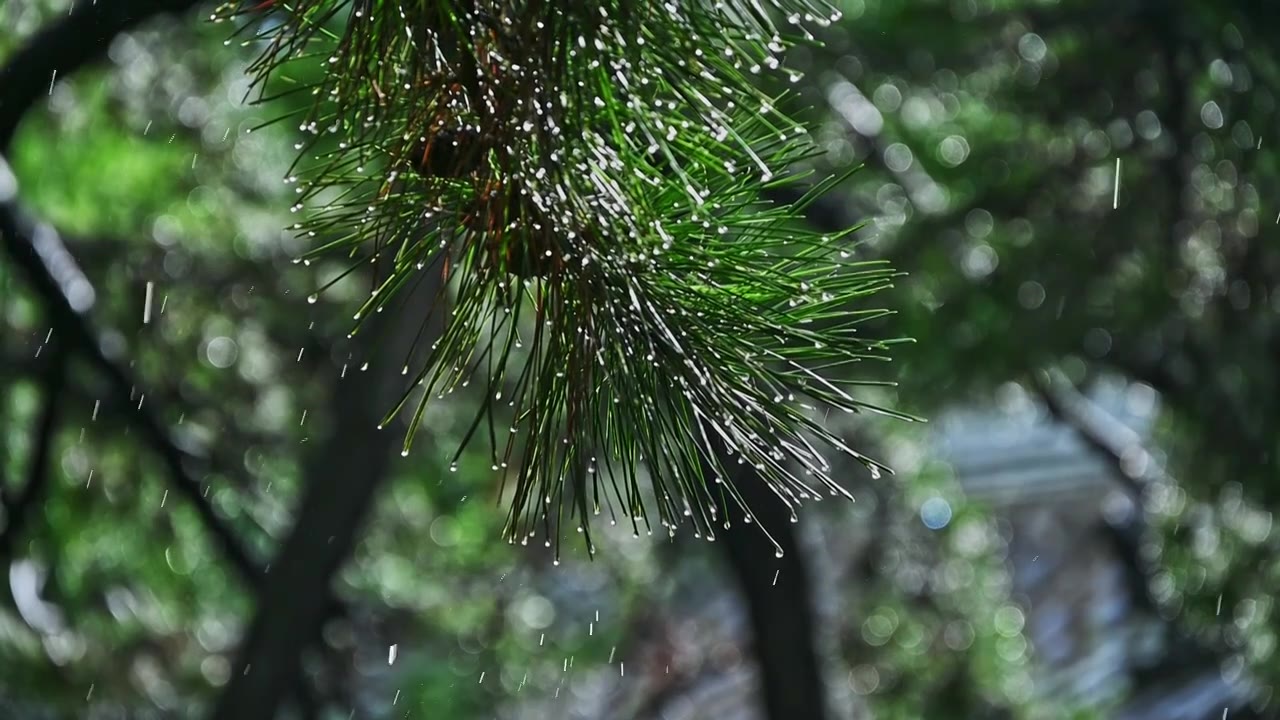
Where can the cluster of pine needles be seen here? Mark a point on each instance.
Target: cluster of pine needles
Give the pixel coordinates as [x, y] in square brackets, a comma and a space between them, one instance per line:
[589, 180]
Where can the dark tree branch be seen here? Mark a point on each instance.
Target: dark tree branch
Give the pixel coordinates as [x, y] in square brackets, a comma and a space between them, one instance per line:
[779, 600]
[36, 486]
[1165, 24]
[38, 251]
[1111, 440]
[1229, 427]
[64, 47]
[14, 366]
[825, 214]
[79, 39]
[1103, 434]
[81, 400]
[344, 475]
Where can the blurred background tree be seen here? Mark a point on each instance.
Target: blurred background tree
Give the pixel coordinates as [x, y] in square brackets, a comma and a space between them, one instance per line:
[1078, 192]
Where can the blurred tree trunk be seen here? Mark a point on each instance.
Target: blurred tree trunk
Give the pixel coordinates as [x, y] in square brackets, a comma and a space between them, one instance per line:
[343, 478]
[15, 513]
[779, 601]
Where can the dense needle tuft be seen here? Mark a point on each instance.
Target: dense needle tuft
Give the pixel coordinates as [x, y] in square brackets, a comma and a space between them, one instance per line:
[588, 178]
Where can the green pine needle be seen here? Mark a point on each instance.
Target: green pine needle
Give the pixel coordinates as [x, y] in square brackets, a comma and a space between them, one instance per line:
[588, 176]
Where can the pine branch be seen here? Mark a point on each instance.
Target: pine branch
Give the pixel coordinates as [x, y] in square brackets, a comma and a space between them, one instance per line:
[591, 179]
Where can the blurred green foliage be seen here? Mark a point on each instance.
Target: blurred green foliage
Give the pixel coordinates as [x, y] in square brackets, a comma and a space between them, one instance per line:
[991, 132]
[995, 134]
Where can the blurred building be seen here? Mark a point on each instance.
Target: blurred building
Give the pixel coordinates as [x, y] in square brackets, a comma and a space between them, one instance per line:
[1074, 556]
[1074, 550]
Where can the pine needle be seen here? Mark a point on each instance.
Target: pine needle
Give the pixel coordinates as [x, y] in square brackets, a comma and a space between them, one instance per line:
[588, 176]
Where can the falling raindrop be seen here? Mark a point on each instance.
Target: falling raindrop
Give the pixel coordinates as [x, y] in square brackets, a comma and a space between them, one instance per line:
[1115, 196]
[146, 305]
